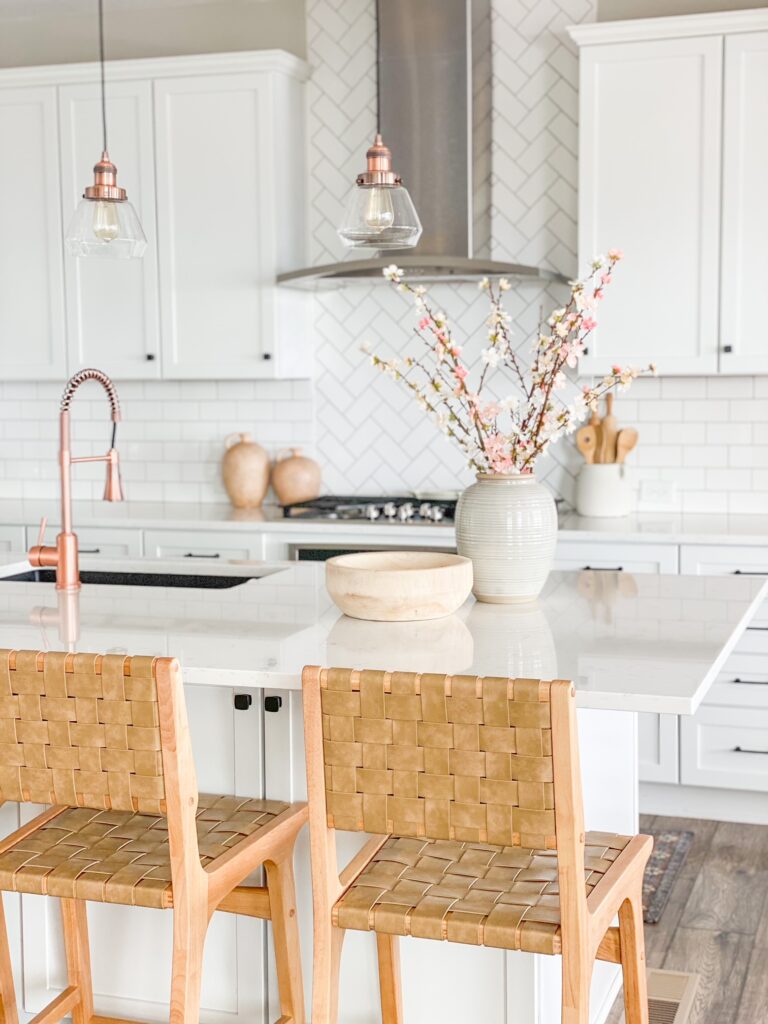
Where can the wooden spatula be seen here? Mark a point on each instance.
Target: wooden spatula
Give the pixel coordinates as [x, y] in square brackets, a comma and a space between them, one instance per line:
[609, 429]
[595, 424]
[586, 442]
[626, 439]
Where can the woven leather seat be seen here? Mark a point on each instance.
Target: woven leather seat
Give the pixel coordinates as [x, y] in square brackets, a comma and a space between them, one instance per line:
[475, 893]
[119, 857]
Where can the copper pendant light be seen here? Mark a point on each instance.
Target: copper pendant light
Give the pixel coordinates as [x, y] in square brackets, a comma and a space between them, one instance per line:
[380, 213]
[105, 224]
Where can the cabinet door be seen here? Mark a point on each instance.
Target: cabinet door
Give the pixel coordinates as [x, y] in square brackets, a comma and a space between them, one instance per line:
[131, 946]
[649, 183]
[214, 217]
[743, 335]
[112, 314]
[32, 334]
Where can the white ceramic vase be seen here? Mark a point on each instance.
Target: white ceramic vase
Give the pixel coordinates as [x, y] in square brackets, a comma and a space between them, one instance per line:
[507, 525]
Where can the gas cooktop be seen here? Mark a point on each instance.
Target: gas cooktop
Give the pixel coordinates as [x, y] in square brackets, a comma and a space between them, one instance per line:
[429, 509]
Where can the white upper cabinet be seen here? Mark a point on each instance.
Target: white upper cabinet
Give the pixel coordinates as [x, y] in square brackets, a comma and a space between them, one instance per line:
[743, 331]
[32, 329]
[649, 184]
[211, 149]
[230, 179]
[112, 305]
[673, 164]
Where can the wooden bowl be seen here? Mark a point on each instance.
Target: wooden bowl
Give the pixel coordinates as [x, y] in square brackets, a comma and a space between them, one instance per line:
[398, 586]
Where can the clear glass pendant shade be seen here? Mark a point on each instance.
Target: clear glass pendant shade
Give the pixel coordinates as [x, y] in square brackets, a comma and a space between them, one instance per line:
[380, 217]
[107, 228]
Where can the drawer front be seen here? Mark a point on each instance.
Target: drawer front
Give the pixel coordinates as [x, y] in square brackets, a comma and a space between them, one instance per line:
[104, 541]
[726, 748]
[654, 558]
[13, 538]
[213, 545]
[109, 543]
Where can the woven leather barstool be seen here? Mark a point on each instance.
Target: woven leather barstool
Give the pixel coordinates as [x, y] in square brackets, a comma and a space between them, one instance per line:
[472, 790]
[104, 739]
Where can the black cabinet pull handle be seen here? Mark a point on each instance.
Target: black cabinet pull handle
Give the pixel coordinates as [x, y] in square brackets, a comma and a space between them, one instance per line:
[242, 701]
[603, 568]
[90, 551]
[746, 750]
[749, 572]
[750, 682]
[273, 703]
[191, 554]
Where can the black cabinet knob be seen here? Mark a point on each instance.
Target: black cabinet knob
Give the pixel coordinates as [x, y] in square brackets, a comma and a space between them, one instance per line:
[273, 703]
[150, 357]
[243, 701]
[727, 348]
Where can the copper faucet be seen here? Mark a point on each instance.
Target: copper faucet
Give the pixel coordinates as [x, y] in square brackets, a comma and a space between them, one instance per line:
[64, 557]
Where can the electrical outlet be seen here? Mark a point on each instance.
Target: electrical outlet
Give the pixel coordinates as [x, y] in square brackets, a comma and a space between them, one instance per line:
[658, 495]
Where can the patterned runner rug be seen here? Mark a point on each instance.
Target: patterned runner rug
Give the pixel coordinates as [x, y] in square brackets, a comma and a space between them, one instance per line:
[670, 848]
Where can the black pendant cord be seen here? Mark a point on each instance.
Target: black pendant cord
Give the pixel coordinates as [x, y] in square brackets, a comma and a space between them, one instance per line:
[103, 83]
[378, 68]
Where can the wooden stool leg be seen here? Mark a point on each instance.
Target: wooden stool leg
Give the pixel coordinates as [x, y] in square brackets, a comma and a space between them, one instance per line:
[8, 1011]
[633, 959]
[388, 949]
[190, 923]
[75, 921]
[577, 977]
[285, 932]
[325, 972]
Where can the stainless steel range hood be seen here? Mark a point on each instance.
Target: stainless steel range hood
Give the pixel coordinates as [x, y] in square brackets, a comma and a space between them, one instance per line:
[434, 79]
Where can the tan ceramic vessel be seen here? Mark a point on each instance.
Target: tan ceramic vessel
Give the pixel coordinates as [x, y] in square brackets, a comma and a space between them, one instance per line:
[245, 471]
[295, 477]
[398, 586]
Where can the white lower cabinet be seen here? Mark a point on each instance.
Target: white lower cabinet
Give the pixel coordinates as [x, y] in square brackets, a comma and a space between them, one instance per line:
[131, 946]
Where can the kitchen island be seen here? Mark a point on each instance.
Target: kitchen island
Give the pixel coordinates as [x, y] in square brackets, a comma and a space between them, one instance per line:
[630, 643]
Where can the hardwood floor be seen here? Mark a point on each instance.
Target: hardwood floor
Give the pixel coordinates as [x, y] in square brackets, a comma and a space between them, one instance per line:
[716, 921]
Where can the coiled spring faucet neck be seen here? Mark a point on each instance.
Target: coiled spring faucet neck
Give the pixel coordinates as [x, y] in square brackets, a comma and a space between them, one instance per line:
[81, 377]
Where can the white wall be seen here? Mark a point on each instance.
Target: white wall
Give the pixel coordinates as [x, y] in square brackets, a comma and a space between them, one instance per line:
[63, 31]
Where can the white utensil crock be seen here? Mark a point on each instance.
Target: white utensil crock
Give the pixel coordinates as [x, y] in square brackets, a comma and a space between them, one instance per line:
[507, 525]
[603, 490]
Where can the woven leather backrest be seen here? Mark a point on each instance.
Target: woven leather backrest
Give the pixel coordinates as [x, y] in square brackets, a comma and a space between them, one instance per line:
[81, 730]
[440, 757]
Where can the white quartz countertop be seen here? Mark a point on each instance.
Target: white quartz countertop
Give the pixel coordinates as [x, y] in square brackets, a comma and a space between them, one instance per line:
[629, 642]
[647, 527]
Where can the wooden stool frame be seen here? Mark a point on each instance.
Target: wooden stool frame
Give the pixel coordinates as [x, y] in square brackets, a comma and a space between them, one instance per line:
[197, 891]
[586, 931]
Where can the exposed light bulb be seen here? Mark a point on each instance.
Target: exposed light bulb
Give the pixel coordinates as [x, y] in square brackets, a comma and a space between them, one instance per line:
[379, 209]
[106, 224]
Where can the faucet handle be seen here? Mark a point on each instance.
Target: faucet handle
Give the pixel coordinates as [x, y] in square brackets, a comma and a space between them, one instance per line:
[41, 534]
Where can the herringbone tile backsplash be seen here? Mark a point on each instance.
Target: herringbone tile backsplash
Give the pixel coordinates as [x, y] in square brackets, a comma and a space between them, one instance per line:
[366, 433]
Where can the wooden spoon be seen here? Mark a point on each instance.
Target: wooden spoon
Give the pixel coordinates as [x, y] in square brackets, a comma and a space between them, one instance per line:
[595, 424]
[608, 432]
[626, 439]
[586, 442]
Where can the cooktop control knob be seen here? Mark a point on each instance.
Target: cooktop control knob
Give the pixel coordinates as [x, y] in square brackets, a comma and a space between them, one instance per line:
[436, 514]
[425, 510]
[405, 512]
[371, 512]
[390, 509]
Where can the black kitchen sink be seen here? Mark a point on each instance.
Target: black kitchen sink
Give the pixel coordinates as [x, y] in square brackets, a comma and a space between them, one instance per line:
[136, 579]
